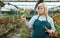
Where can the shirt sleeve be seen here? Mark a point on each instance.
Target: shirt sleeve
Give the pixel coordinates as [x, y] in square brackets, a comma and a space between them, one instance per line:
[52, 25]
[31, 22]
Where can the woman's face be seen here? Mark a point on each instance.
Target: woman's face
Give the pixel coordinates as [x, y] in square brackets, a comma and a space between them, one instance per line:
[41, 10]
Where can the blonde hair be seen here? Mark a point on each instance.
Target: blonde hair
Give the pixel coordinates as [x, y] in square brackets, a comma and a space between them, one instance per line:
[45, 8]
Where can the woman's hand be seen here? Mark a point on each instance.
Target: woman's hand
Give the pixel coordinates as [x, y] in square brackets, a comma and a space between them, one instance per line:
[49, 31]
[23, 17]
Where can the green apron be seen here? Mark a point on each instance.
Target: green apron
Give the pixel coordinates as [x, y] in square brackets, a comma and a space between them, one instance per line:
[39, 30]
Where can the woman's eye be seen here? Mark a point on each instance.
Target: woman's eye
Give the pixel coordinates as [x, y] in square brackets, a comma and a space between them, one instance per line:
[41, 8]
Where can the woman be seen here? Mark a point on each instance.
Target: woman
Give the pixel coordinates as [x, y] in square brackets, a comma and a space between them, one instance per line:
[42, 24]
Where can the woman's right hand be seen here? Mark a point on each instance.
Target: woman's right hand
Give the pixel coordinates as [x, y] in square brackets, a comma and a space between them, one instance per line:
[23, 17]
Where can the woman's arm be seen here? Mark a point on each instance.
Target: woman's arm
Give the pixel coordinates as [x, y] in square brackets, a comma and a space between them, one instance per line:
[26, 24]
[30, 23]
[50, 31]
[23, 17]
[52, 25]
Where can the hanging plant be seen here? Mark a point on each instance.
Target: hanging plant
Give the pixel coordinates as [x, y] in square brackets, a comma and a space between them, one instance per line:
[1, 4]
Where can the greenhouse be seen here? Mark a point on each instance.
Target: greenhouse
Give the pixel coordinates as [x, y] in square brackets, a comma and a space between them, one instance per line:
[13, 25]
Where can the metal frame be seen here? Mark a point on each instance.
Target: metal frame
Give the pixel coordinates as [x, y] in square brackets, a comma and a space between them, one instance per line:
[29, 1]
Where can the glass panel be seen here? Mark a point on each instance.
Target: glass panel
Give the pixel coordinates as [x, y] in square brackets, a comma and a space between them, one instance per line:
[50, 0]
[6, 0]
[14, 0]
[22, 0]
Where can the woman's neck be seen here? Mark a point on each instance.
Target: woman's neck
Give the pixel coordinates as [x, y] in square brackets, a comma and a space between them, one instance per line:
[41, 15]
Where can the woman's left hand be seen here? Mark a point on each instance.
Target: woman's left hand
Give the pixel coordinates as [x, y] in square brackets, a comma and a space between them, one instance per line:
[49, 31]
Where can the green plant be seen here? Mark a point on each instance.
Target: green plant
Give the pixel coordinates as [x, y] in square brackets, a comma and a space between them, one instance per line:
[24, 33]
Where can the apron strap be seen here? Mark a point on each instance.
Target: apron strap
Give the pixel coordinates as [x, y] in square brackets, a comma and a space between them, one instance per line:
[46, 18]
[38, 17]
